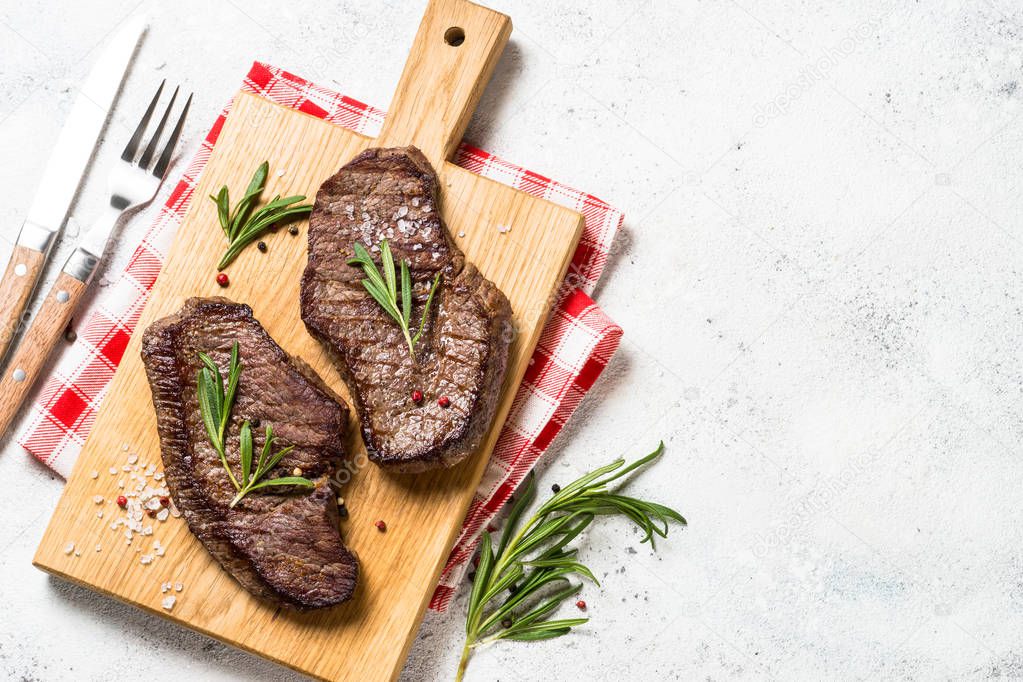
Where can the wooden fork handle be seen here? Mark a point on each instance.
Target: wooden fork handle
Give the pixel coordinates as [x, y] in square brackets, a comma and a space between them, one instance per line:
[28, 361]
[16, 287]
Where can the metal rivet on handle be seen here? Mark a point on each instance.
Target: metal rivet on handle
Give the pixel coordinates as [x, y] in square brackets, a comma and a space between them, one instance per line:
[19, 374]
[63, 296]
[20, 269]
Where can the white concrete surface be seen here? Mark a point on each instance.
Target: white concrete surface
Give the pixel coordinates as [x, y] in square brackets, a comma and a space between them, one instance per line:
[819, 279]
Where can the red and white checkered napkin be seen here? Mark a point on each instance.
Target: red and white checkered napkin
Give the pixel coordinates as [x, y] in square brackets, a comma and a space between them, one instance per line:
[574, 347]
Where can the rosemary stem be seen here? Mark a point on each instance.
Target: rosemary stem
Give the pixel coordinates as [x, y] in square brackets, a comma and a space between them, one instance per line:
[463, 663]
[238, 497]
[223, 460]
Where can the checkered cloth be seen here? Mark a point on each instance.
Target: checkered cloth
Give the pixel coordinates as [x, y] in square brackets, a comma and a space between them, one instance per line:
[573, 350]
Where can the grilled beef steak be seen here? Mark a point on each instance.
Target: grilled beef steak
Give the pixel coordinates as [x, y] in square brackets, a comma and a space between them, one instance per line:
[460, 360]
[281, 543]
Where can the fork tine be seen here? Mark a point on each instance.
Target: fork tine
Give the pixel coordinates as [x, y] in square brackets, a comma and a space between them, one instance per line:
[168, 151]
[147, 155]
[133, 144]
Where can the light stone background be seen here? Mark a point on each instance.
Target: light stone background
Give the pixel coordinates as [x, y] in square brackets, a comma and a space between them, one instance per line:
[819, 283]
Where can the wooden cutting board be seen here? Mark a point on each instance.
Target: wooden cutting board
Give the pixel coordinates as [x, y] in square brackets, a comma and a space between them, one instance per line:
[452, 58]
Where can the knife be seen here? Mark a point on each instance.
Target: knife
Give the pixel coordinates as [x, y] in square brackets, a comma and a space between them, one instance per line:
[63, 174]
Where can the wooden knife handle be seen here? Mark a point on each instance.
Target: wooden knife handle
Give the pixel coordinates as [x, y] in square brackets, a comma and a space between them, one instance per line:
[452, 58]
[16, 289]
[28, 361]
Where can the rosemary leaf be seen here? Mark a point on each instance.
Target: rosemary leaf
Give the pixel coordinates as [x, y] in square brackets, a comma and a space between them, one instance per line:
[383, 288]
[245, 450]
[244, 224]
[283, 480]
[215, 405]
[406, 292]
[521, 584]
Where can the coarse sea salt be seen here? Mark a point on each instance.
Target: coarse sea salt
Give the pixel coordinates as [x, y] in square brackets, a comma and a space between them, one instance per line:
[98, 499]
[69, 547]
[168, 602]
[94, 474]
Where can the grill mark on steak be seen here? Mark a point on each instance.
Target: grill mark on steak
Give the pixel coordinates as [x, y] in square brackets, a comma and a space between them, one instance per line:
[284, 547]
[393, 194]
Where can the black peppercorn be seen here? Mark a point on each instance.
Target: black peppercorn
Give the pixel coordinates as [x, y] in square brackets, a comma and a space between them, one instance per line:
[506, 622]
[292, 230]
[261, 246]
[556, 488]
[254, 423]
[342, 511]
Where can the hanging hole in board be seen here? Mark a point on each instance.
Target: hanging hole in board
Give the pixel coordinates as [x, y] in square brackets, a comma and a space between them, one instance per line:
[454, 36]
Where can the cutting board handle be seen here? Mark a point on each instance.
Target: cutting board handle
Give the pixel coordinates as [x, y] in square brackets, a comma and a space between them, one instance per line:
[451, 61]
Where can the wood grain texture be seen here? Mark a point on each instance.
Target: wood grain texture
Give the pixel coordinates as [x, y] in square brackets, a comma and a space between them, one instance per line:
[16, 289]
[442, 83]
[45, 332]
[369, 637]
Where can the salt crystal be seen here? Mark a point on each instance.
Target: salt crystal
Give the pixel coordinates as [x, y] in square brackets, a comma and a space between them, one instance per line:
[178, 587]
[402, 212]
[78, 552]
[94, 474]
[162, 514]
[504, 228]
[165, 587]
[159, 551]
[99, 548]
[148, 530]
[415, 201]
[417, 247]
[158, 476]
[127, 533]
[126, 467]
[280, 173]
[125, 447]
[99, 514]
[98, 499]
[69, 547]
[120, 483]
[461, 234]
[168, 602]
[427, 208]
[113, 471]
[146, 559]
[133, 458]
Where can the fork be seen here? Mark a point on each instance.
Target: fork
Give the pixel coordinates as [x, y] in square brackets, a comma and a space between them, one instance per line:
[132, 183]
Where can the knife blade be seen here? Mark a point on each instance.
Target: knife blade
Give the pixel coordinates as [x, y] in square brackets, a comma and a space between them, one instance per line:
[78, 137]
[62, 176]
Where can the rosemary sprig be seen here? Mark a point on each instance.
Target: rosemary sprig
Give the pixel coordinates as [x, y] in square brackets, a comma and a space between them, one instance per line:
[215, 404]
[243, 226]
[522, 582]
[384, 290]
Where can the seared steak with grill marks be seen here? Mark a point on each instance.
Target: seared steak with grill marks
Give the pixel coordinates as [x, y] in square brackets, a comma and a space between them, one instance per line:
[282, 544]
[393, 194]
